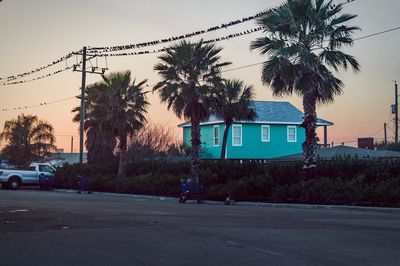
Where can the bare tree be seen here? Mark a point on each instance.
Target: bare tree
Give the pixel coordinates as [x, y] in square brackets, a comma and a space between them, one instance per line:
[151, 141]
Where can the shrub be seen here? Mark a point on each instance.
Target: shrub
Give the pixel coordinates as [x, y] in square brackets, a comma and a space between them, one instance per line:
[339, 181]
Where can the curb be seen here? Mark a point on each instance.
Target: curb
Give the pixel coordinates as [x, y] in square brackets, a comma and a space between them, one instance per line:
[144, 197]
[245, 203]
[321, 207]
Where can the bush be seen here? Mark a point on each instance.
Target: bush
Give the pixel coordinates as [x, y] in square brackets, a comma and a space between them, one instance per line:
[340, 181]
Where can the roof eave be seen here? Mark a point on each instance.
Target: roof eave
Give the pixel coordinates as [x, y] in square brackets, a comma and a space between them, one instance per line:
[186, 124]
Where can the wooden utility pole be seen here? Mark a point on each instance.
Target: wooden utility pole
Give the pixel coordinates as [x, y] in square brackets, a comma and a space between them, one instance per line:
[385, 136]
[72, 144]
[396, 115]
[94, 70]
[82, 111]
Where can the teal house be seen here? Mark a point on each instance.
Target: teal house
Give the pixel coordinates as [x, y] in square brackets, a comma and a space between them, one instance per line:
[276, 132]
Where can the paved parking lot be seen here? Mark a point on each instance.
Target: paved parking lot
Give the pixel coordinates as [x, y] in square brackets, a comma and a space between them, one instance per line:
[56, 228]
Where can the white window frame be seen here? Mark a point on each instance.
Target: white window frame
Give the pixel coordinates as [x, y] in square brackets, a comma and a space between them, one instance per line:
[216, 137]
[295, 133]
[233, 135]
[268, 128]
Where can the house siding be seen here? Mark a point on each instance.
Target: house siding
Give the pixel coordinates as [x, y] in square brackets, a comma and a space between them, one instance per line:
[252, 146]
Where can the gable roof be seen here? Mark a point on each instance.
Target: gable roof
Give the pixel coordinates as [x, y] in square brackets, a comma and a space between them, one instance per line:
[269, 112]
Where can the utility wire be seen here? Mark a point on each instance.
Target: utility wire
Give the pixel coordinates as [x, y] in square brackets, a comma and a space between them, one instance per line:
[175, 38]
[219, 39]
[21, 75]
[12, 82]
[184, 36]
[38, 105]
[143, 44]
[43, 76]
[378, 33]
[242, 67]
[34, 79]
[259, 63]
[132, 46]
[376, 132]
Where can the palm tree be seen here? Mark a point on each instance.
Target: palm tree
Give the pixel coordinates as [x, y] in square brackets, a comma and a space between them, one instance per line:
[188, 72]
[234, 102]
[100, 137]
[115, 109]
[304, 40]
[28, 138]
[128, 104]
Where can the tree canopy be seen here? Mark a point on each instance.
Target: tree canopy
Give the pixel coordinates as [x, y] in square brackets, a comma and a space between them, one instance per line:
[188, 73]
[303, 41]
[234, 101]
[28, 139]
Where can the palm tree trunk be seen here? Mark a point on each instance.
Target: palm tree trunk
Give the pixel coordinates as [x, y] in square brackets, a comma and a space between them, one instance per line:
[310, 125]
[195, 156]
[224, 140]
[122, 156]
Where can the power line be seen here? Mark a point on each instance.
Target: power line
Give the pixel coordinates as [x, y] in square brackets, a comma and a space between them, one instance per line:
[184, 36]
[378, 33]
[259, 63]
[246, 66]
[376, 132]
[175, 38]
[38, 105]
[44, 76]
[21, 75]
[56, 101]
[34, 79]
[228, 37]
[360, 38]
[135, 46]
[11, 80]
[219, 39]
[359, 123]
[143, 44]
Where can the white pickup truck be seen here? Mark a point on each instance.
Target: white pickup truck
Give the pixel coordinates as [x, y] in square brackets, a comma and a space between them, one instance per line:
[34, 175]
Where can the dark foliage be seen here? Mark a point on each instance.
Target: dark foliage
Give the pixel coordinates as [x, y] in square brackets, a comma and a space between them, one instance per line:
[345, 181]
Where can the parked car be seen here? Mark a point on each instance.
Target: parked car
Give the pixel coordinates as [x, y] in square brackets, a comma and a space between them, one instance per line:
[36, 174]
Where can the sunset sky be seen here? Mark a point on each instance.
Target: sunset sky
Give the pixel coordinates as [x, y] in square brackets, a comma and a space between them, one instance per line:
[35, 33]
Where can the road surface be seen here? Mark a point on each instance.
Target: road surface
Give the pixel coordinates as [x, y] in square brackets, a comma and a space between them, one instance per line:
[58, 228]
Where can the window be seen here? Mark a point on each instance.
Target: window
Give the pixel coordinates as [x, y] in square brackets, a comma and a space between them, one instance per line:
[45, 168]
[216, 135]
[291, 134]
[237, 135]
[265, 133]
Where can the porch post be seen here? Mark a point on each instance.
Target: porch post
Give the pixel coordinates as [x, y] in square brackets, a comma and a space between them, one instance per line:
[325, 136]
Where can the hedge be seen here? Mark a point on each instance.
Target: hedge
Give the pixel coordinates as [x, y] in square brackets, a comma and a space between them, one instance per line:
[342, 181]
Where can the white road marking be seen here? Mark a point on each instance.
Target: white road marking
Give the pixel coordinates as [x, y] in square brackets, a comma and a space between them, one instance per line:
[267, 251]
[21, 210]
[255, 248]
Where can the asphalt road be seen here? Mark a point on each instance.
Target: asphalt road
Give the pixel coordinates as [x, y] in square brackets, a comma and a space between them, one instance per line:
[55, 228]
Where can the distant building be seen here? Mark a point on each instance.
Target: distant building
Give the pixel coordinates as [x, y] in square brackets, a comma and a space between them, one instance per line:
[366, 143]
[276, 132]
[59, 159]
[345, 152]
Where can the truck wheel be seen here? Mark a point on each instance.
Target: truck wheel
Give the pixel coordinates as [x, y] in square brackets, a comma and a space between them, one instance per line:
[14, 183]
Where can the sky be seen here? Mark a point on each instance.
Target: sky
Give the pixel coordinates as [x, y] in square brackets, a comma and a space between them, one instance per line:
[35, 33]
